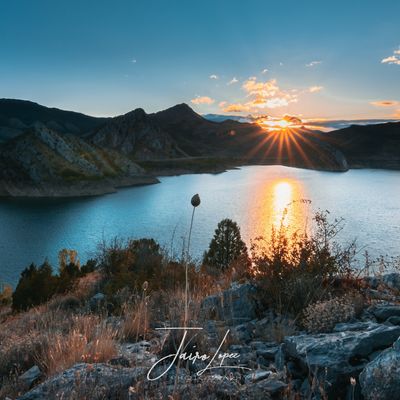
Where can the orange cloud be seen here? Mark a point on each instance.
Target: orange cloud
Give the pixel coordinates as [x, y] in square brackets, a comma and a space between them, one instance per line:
[384, 103]
[397, 114]
[315, 89]
[235, 108]
[202, 100]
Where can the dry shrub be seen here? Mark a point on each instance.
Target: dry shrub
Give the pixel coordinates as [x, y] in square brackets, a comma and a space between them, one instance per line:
[136, 319]
[322, 316]
[90, 340]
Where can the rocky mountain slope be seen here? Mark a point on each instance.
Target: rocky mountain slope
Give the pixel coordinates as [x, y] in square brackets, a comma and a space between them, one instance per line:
[138, 135]
[18, 115]
[42, 162]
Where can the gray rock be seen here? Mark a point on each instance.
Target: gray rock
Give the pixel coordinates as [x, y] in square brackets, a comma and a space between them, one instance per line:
[97, 301]
[256, 376]
[392, 280]
[235, 305]
[380, 379]
[382, 313]
[259, 390]
[341, 354]
[393, 320]
[29, 377]
[100, 380]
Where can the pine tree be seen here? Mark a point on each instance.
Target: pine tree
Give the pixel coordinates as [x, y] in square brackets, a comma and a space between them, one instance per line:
[226, 246]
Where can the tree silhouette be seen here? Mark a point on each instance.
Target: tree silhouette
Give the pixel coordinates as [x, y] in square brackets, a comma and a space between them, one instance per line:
[226, 246]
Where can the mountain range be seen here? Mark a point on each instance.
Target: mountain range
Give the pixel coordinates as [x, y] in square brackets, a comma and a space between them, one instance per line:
[52, 152]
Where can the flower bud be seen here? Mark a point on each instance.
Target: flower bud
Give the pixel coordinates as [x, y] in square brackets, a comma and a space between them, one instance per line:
[195, 200]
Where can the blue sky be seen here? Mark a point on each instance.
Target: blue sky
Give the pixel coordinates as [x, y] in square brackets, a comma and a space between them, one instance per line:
[323, 59]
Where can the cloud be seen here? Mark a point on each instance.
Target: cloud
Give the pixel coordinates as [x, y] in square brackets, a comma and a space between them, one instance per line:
[202, 100]
[133, 61]
[232, 81]
[264, 71]
[236, 108]
[292, 119]
[397, 114]
[313, 63]
[315, 89]
[213, 76]
[393, 59]
[384, 103]
[261, 95]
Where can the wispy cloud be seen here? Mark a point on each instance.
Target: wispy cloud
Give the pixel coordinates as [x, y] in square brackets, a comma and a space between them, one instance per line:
[384, 103]
[202, 100]
[315, 89]
[133, 61]
[393, 59]
[213, 76]
[232, 81]
[264, 71]
[313, 64]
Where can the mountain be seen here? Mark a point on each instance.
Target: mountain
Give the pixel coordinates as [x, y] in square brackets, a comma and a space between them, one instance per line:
[369, 146]
[18, 115]
[136, 134]
[45, 163]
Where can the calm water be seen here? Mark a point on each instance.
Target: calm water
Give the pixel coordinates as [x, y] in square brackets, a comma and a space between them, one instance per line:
[255, 197]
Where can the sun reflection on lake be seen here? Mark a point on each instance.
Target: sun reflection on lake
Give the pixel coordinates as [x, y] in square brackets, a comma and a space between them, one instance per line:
[277, 202]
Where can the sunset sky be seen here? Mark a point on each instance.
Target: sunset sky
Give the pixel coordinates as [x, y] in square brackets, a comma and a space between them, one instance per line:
[313, 59]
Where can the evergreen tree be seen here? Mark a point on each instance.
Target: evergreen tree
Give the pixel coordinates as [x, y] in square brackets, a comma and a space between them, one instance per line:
[35, 286]
[226, 246]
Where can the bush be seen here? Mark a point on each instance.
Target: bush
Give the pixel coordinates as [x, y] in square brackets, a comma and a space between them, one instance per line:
[322, 316]
[293, 271]
[225, 247]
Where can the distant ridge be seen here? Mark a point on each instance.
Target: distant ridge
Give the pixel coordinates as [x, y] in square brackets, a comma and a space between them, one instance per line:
[18, 115]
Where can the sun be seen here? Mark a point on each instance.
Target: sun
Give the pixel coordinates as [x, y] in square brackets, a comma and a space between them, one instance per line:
[283, 123]
[274, 124]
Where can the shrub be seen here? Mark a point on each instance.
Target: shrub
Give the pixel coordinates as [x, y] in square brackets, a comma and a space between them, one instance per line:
[322, 316]
[295, 270]
[6, 295]
[225, 247]
[36, 285]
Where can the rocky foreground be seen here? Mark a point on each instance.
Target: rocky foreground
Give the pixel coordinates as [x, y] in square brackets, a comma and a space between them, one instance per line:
[356, 359]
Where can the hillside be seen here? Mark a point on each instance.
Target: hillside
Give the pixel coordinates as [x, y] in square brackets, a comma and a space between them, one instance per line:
[369, 146]
[42, 162]
[138, 135]
[18, 115]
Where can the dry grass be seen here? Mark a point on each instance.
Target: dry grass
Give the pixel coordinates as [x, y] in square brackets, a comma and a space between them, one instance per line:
[89, 340]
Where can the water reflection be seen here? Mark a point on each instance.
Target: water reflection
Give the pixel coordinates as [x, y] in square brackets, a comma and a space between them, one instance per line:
[279, 201]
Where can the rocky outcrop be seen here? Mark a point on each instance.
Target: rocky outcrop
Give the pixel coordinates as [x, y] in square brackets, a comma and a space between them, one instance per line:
[380, 379]
[138, 135]
[235, 305]
[336, 357]
[43, 163]
[94, 381]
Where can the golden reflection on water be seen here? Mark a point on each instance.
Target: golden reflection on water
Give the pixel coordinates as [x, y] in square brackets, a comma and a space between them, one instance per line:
[278, 201]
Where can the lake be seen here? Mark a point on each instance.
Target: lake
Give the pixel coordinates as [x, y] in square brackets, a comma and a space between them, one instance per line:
[255, 197]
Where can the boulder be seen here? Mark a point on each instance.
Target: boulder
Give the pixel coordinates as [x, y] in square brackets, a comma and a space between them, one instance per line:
[380, 379]
[97, 301]
[31, 376]
[383, 312]
[99, 380]
[341, 354]
[235, 305]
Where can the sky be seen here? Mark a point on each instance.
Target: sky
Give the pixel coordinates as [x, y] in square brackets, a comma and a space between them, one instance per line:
[311, 58]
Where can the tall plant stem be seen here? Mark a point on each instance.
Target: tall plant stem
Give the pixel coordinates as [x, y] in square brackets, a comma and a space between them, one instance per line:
[186, 272]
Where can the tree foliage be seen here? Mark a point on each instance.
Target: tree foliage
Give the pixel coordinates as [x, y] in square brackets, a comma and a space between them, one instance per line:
[226, 246]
